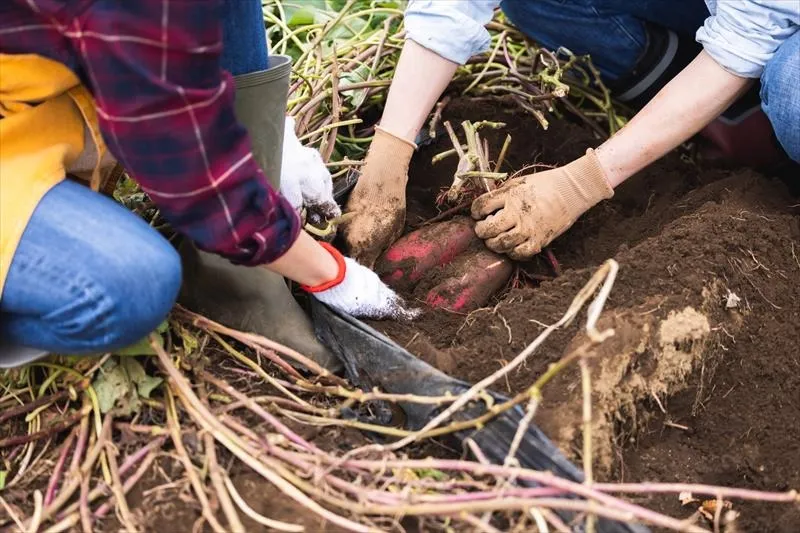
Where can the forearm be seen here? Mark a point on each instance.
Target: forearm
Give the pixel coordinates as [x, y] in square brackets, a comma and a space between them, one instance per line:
[420, 79]
[306, 262]
[695, 97]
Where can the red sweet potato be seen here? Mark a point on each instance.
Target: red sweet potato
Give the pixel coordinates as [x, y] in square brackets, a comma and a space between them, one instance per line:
[471, 281]
[407, 260]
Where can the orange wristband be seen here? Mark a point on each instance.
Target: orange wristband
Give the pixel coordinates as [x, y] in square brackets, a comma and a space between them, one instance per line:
[339, 277]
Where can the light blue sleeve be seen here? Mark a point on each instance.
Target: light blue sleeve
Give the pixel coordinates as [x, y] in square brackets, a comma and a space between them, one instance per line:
[743, 35]
[454, 29]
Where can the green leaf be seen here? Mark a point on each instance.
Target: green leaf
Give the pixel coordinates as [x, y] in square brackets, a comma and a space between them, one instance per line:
[115, 390]
[301, 17]
[306, 13]
[140, 348]
[343, 32]
[355, 98]
[126, 187]
[143, 347]
[3, 475]
[432, 473]
[144, 384]
[120, 384]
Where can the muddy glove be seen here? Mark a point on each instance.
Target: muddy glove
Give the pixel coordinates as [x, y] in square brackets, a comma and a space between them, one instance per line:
[358, 291]
[305, 180]
[379, 198]
[530, 211]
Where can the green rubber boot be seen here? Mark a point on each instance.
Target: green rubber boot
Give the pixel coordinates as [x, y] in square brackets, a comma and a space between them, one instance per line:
[246, 298]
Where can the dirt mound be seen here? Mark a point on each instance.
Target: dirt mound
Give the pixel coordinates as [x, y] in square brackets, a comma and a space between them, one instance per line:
[701, 382]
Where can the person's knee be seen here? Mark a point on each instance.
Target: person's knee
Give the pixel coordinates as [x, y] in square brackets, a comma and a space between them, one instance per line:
[780, 97]
[123, 295]
[153, 278]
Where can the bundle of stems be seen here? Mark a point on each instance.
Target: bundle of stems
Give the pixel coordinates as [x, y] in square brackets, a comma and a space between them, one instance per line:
[345, 61]
[244, 397]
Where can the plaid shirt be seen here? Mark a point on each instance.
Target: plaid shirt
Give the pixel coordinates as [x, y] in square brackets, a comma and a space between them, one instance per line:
[166, 112]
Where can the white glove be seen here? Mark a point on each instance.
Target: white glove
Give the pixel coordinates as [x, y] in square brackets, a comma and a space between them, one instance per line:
[358, 291]
[305, 180]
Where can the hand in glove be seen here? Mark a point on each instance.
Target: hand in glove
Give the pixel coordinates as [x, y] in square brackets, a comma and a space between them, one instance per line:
[358, 291]
[379, 198]
[305, 180]
[528, 212]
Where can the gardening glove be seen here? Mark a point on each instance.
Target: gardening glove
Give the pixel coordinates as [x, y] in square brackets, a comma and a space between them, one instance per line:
[305, 180]
[379, 199]
[358, 291]
[528, 212]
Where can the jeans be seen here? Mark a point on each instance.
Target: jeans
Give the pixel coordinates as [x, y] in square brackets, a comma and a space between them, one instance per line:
[244, 38]
[780, 95]
[613, 31]
[88, 275]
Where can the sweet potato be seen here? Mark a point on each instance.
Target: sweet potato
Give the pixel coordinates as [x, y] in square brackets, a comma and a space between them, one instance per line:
[407, 260]
[471, 281]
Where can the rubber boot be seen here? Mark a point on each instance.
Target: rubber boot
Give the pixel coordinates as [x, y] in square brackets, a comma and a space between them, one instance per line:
[246, 298]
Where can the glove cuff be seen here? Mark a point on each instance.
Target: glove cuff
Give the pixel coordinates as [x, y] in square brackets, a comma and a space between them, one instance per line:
[394, 138]
[389, 151]
[385, 171]
[340, 262]
[586, 183]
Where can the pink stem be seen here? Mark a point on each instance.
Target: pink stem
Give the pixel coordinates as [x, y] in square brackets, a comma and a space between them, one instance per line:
[553, 261]
[708, 490]
[80, 447]
[59, 468]
[137, 456]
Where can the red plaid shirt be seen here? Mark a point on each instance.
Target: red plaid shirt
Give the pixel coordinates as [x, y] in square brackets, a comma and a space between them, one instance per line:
[166, 112]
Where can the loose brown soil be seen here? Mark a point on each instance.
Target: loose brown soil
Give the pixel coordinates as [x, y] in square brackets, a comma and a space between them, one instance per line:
[691, 388]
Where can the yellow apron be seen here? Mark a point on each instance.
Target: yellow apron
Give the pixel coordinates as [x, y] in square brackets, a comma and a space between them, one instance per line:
[48, 128]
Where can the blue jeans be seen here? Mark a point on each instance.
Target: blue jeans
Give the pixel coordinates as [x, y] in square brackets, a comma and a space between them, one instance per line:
[614, 32]
[780, 95]
[244, 38]
[88, 275]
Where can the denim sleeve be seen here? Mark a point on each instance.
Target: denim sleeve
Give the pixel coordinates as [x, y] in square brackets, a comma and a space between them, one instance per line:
[454, 29]
[743, 36]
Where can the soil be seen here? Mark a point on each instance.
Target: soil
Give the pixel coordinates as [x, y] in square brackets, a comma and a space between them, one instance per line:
[701, 382]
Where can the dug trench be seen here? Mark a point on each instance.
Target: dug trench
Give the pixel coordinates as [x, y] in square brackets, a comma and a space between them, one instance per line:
[701, 382]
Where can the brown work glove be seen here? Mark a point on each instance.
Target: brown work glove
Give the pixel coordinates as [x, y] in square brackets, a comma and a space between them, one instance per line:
[379, 198]
[528, 212]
